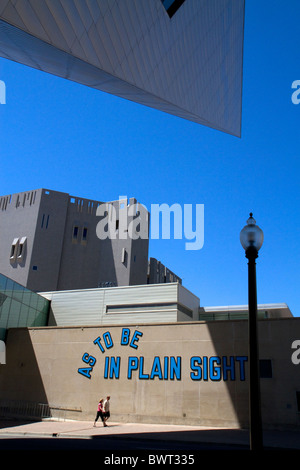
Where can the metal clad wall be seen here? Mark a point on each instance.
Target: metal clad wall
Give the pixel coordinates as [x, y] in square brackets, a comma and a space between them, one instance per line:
[88, 307]
[81, 307]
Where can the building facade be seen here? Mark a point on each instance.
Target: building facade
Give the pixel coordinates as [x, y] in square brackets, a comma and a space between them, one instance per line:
[155, 303]
[180, 57]
[20, 307]
[193, 373]
[50, 240]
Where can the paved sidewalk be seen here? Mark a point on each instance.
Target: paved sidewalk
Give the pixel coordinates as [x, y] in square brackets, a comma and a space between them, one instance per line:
[175, 433]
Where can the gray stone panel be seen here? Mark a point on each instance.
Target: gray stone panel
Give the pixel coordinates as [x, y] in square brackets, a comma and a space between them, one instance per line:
[189, 65]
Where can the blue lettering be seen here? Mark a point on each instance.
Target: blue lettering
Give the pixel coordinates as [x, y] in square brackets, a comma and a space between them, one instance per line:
[98, 342]
[135, 338]
[141, 371]
[108, 340]
[133, 363]
[175, 368]
[230, 367]
[106, 366]
[125, 336]
[205, 368]
[242, 360]
[166, 368]
[215, 367]
[196, 368]
[114, 367]
[88, 359]
[214, 370]
[156, 369]
[86, 371]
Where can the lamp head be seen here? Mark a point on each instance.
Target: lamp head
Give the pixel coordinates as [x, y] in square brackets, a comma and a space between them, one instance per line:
[251, 235]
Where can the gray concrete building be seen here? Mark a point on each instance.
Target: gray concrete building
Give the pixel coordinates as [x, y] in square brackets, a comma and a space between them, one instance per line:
[159, 273]
[51, 241]
[180, 57]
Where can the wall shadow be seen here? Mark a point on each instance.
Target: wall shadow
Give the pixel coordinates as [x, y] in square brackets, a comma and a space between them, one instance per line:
[22, 390]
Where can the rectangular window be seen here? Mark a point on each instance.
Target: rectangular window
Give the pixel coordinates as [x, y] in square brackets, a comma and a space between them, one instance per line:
[265, 369]
[84, 233]
[21, 248]
[75, 232]
[14, 248]
[298, 401]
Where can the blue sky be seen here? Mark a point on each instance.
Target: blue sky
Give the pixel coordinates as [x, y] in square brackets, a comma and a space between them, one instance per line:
[66, 137]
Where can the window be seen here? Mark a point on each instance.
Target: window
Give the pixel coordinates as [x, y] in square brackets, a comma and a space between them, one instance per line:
[75, 232]
[124, 256]
[17, 251]
[14, 248]
[84, 234]
[298, 401]
[171, 6]
[45, 221]
[265, 369]
[21, 248]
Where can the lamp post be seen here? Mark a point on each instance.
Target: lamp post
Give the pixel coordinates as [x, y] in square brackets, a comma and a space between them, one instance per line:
[251, 238]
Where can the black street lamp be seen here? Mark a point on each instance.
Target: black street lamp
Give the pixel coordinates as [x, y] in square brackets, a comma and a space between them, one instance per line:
[252, 238]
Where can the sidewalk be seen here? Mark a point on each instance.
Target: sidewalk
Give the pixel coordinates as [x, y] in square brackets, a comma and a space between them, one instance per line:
[139, 431]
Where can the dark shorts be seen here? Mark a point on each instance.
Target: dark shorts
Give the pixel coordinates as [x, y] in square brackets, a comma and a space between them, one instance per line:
[107, 414]
[99, 414]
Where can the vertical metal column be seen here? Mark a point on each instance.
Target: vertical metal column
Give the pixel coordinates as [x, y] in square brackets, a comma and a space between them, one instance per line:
[256, 437]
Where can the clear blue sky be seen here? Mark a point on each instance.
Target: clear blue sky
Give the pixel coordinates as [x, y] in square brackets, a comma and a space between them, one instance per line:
[66, 137]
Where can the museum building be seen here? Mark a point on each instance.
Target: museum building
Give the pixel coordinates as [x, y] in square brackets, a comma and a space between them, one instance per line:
[160, 356]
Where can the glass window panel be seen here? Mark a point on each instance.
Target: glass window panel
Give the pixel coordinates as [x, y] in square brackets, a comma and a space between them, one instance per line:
[18, 292]
[23, 318]
[26, 297]
[3, 281]
[9, 287]
[14, 314]
[34, 300]
[31, 316]
[5, 309]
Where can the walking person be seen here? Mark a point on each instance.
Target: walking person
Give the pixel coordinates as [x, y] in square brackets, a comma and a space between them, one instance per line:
[106, 409]
[99, 412]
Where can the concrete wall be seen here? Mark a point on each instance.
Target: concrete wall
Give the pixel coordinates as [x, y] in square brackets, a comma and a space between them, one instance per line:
[18, 217]
[44, 364]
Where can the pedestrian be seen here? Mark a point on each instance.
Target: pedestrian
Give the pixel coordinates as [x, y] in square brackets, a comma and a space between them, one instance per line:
[106, 410]
[99, 412]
